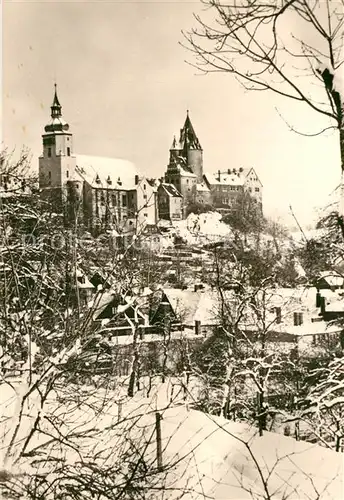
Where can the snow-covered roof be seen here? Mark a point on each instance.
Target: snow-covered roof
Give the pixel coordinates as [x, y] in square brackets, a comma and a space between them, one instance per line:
[227, 180]
[185, 173]
[98, 170]
[191, 306]
[184, 304]
[333, 279]
[231, 177]
[202, 187]
[205, 306]
[170, 189]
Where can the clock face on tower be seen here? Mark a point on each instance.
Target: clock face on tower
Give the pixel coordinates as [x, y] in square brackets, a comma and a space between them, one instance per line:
[48, 141]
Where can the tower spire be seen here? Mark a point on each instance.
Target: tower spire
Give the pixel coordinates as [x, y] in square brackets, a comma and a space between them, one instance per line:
[57, 123]
[56, 108]
[188, 137]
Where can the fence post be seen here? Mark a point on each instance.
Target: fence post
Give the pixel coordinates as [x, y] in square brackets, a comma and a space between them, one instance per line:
[158, 441]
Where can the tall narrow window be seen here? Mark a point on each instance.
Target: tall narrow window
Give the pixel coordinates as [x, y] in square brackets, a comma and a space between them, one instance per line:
[49, 152]
[67, 174]
[68, 151]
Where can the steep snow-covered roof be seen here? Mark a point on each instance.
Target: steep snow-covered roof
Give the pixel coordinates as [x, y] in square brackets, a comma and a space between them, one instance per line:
[184, 303]
[171, 190]
[98, 170]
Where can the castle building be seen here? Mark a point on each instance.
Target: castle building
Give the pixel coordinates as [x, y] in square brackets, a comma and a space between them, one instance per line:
[185, 171]
[110, 194]
[185, 168]
[106, 194]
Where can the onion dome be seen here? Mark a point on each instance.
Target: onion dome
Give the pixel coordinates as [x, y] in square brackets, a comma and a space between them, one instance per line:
[57, 123]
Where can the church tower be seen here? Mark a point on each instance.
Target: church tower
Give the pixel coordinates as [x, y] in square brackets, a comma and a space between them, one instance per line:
[57, 163]
[188, 151]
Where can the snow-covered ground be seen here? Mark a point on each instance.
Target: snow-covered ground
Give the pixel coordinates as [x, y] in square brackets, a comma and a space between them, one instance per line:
[206, 456]
[203, 228]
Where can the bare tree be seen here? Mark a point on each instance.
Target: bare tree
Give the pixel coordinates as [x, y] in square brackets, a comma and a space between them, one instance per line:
[290, 47]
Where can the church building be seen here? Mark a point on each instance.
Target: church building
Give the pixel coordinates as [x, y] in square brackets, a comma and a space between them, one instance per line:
[106, 194]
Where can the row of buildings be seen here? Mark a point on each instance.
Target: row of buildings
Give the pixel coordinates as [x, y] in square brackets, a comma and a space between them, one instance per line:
[111, 194]
[305, 318]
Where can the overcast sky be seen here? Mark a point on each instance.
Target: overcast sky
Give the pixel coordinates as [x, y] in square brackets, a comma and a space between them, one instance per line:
[125, 88]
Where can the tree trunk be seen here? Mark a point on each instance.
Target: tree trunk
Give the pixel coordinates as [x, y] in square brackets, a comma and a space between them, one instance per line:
[341, 194]
[135, 363]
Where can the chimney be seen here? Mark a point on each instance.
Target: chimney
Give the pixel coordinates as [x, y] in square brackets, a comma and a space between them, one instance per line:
[278, 312]
[322, 306]
[136, 180]
[197, 327]
[318, 299]
[229, 171]
[298, 318]
[218, 175]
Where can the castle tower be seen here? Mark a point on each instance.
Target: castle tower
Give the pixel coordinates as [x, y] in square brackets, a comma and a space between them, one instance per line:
[188, 151]
[57, 163]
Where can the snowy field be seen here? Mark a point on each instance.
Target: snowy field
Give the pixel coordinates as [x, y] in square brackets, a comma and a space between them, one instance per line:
[203, 456]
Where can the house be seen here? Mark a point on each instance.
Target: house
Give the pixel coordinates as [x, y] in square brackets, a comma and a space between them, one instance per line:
[225, 187]
[170, 202]
[117, 315]
[329, 280]
[196, 310]
[292, 316]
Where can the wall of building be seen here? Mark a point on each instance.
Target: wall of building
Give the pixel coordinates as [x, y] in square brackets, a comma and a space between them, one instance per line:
[195, 162]
[146, 203]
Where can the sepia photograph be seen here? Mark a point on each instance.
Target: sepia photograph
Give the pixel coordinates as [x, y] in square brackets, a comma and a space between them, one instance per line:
[172, 250]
